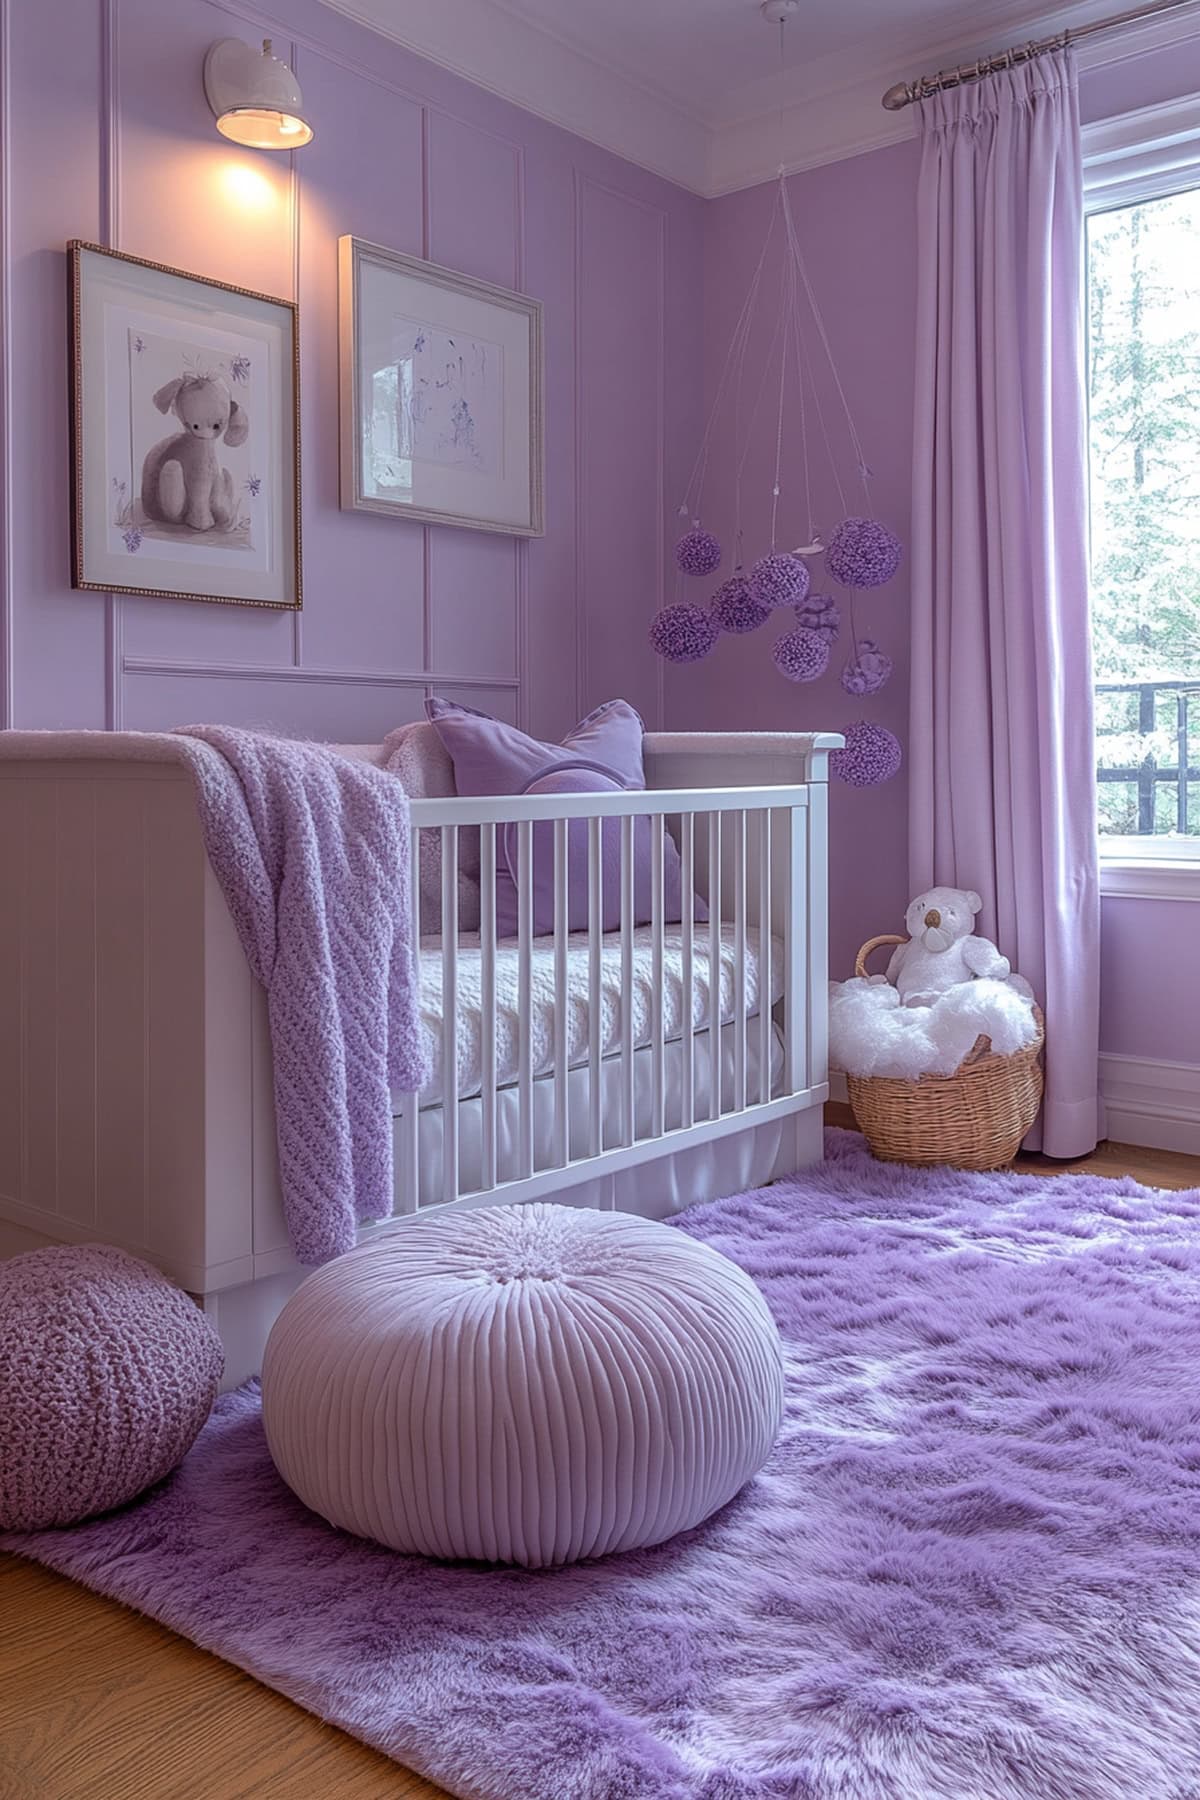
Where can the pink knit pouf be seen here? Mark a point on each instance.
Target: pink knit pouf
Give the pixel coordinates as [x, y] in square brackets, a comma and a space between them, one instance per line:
[107, 1373]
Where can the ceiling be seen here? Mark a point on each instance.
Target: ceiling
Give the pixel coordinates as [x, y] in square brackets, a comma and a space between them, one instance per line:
[696, 89]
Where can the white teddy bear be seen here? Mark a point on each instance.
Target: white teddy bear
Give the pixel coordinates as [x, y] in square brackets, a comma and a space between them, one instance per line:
[942, 949]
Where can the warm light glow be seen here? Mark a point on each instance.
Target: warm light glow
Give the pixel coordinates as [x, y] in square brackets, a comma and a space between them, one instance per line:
[260, 128]
[249, 188]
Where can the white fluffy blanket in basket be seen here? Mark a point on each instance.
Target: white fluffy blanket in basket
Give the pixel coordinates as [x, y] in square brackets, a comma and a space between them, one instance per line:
[870, 1033]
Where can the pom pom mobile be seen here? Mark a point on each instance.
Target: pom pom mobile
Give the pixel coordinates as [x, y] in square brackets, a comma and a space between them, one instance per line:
[857, 551]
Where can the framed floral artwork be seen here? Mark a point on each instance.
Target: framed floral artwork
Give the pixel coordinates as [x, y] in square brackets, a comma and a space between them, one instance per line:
[441, 393]
[185, 434]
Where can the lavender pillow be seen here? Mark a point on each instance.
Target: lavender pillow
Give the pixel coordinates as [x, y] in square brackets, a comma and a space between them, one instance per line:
[490, 757]
[603, 753]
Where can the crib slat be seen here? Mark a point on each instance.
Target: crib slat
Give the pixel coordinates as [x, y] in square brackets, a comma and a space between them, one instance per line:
[795, 1024]
[657, 832]
[562, 1101]
[816, 989]
[687, 884]
[449, 1012]
[714, 963]
[628, 1118]
[739, 960]
[406, 1140]
[765, 982]
[595, 984]
[487, 996]
[525, 994]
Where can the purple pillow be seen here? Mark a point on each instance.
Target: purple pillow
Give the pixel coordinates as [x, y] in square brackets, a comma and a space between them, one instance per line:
[602, 754]
[490, 757]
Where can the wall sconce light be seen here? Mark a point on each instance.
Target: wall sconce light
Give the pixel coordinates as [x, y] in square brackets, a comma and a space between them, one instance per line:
[255, 97]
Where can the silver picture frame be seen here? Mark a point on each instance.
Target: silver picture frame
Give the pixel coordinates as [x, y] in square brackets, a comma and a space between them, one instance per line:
[441, 394]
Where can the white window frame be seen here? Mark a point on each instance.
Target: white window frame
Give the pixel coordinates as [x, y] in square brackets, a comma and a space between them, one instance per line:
[1144, 155]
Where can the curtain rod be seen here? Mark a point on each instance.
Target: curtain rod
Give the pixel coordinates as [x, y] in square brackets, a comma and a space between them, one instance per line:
[906, 93]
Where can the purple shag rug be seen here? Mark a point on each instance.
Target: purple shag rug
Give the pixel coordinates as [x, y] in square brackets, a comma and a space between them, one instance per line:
[970, 1570]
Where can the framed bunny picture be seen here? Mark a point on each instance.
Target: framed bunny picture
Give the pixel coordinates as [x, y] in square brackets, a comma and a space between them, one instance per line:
[185, 434]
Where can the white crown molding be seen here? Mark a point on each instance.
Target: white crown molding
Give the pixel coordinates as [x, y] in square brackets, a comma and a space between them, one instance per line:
[844, 116]
[743, 140]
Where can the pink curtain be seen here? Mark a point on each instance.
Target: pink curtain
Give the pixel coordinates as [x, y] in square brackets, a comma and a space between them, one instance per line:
[1002, 773]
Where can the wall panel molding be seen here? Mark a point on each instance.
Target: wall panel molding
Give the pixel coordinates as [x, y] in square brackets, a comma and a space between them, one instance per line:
[521, 545]
[470, 186]
[294, 208]
[535, 69]
[110, 217]
[635, 588]
[660, 560]
[581, 631]
[7, 672]
[197, 671]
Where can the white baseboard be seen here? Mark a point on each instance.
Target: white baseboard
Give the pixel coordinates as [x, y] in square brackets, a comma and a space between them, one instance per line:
[1155, 1104]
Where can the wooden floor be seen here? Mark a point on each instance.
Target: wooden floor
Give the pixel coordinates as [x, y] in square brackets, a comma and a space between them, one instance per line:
[97, 1703]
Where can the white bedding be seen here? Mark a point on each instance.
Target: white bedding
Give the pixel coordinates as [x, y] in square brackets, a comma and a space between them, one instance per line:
[469, 1010]
[661, 1194]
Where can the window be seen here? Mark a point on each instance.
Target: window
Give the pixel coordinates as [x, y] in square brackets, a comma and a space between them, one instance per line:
[1142, 188]
[1143, 294]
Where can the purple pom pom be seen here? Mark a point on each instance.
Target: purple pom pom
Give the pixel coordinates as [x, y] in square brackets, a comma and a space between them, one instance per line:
[779, 580]
[698, 553]
[819, 613]
[868, 669]
[684, 634]
[736, 608]
[801, 655]
[872, 755]
[863, 553]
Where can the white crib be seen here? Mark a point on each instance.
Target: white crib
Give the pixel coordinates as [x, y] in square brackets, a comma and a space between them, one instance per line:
[603, 1069]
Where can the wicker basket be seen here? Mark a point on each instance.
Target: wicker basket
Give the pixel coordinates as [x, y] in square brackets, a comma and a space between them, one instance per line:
[973, 1119]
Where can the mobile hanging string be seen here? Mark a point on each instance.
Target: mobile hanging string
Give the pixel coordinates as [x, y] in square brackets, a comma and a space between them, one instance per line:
[861, 553]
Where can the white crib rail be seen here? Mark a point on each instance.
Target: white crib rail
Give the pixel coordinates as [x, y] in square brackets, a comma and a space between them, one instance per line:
[755, 855]
[141, 1015]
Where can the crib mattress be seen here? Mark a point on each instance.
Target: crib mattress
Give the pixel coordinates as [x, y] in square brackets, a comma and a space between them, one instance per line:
[664, 1189]
[763, 970]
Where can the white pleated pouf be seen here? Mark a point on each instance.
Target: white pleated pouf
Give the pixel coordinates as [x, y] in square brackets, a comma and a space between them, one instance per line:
[523, 1384]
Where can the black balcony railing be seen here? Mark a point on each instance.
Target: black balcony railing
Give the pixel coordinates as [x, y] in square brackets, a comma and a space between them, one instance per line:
[1181, 773]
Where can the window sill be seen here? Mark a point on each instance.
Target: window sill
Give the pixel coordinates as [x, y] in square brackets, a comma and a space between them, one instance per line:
[1135, 880]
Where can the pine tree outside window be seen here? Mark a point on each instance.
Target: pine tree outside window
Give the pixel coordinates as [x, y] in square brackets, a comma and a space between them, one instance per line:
[1143, 313]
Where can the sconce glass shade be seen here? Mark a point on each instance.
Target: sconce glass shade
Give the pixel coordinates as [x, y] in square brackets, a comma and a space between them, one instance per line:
[256, 99]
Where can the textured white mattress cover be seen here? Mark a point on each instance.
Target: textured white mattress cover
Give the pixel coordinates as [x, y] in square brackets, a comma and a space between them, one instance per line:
[469, 1012]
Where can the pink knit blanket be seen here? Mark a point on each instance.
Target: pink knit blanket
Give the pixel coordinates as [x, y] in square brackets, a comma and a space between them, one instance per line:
[311, 851]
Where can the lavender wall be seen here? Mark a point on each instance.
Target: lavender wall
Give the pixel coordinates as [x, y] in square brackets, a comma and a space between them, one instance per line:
[110, 139]
[856, 219]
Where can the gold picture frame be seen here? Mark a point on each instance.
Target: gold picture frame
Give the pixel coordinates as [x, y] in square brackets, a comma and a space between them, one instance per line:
[216, 367]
